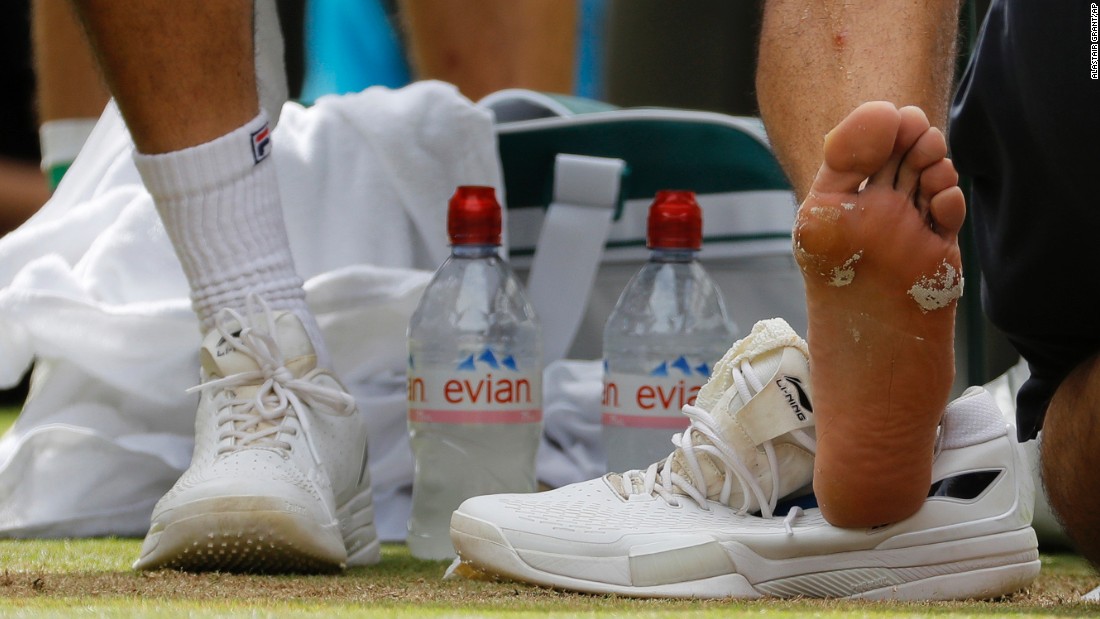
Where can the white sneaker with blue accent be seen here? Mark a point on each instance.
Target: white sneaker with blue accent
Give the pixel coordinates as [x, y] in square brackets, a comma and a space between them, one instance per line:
[278, 481]
[706, 522]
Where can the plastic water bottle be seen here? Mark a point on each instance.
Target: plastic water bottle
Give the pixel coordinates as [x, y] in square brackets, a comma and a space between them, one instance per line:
[662, 338]
[474, 377]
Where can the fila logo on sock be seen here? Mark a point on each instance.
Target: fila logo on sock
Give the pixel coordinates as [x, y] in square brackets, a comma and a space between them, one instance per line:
[261, 143]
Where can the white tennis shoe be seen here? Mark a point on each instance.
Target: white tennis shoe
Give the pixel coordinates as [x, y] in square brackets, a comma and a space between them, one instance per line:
[278, 481]
[698, 525]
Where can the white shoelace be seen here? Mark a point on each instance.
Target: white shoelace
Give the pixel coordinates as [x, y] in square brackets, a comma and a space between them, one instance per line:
[659, 478]
[258, 421]
[788, 521]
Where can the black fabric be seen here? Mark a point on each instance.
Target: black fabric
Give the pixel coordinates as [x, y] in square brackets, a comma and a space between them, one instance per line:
[18, 127]
[1025, 127]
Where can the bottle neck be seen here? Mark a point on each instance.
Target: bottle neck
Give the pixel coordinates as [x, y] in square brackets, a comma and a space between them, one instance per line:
[474, 251]
[664, 254]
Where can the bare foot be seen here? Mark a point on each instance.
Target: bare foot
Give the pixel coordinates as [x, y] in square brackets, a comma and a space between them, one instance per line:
[877, 241]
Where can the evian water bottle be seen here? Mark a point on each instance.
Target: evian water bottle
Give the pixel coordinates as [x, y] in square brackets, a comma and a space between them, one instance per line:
[662, 338]
[474, 377]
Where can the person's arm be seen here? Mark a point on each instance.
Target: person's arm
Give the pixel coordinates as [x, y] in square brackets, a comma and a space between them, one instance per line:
[819, 60]
[486, 45]
[22, 192]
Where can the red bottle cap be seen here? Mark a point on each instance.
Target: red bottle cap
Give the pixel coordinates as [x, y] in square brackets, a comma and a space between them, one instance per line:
[473, 216]
[675, 221]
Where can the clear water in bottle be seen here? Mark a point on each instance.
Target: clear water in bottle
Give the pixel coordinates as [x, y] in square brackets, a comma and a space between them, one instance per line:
[474, 378]
[662, 339]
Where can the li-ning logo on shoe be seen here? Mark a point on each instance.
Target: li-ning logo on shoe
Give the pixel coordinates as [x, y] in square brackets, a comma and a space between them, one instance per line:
[682, 364]
[261, 143]
[799, 401]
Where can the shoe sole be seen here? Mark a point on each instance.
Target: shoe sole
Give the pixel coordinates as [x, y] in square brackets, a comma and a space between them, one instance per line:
[261, 535]
[356, 517]
[983, 567]
[242, 534]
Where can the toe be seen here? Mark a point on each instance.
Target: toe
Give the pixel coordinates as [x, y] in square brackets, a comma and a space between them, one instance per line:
[934, 179]
[929, 150]
[858, 147]
[937, 177]
[948, 209]
[912, 124]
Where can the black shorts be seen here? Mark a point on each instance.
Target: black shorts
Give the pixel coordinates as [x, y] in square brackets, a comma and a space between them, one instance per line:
[1025, 127]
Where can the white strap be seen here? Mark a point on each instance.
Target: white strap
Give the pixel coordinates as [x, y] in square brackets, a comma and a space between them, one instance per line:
[570, 245]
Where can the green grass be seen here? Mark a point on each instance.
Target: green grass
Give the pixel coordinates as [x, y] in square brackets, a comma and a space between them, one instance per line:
[60, 576]
[7, 416]
[93, 577]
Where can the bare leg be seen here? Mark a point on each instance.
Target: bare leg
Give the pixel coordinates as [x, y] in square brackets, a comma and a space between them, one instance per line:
[69, 82]
[486, 45]
[184, 77]
[877, 240]
[1070, 458]
[182, 72]
[843, 54]
[71, 94]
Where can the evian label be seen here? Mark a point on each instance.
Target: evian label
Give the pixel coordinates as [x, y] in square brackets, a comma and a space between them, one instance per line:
[652, 400]
[482, 388]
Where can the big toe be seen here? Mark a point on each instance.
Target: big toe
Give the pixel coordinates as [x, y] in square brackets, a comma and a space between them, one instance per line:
[858, 147]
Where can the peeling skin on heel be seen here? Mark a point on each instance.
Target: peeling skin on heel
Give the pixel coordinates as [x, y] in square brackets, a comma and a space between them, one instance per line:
[827, 213]
[845, 273]
[938, 290]
[805, 258]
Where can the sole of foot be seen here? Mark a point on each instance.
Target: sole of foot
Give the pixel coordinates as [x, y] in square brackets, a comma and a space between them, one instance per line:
[877, 243]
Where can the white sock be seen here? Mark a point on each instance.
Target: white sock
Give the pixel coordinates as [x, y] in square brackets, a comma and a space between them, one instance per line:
[219, 202]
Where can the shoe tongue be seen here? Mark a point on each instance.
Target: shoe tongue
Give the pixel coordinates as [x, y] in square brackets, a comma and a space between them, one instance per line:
[766, 336]
[777, 356]
[220, 358]
[723, 409]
